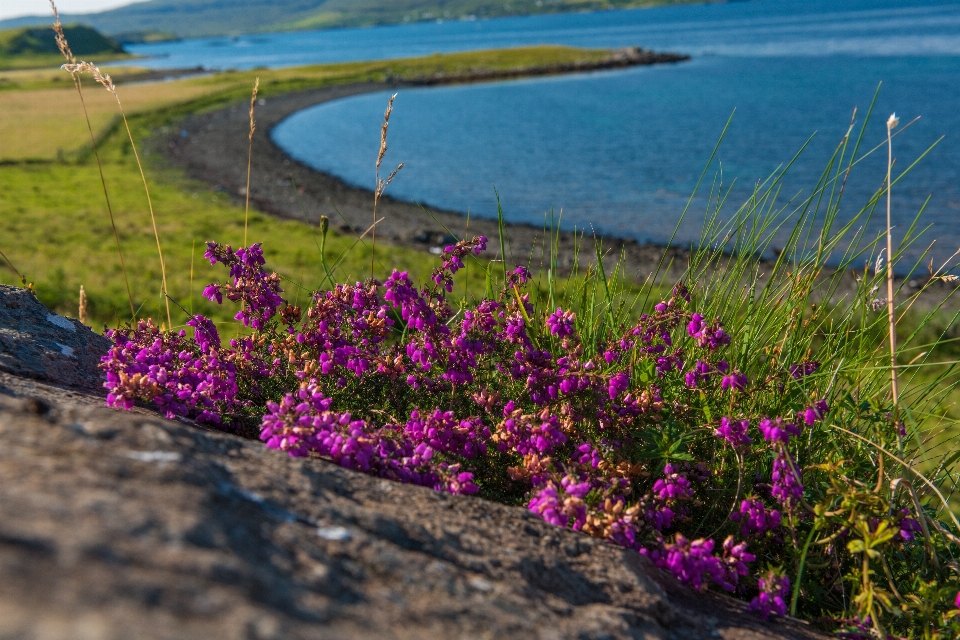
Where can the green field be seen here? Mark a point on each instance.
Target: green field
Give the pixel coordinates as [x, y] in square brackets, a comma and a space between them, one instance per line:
[54, 226]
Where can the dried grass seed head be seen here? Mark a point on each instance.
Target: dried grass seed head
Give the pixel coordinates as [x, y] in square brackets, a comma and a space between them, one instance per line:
[92, 69]
[253, 103]
[383, 130]
[61, 38]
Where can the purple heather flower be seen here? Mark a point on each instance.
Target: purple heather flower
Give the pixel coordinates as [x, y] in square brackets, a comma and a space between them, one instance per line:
[589, 456]
[755, 519]
[618, 384]
[734, 432]
[778, 430]
[518, 276]
[785, 485]
[803, 369]
[733, 380]
[772, 599]
[561, 323]
[908, 526]
[673, 486]
[562, 506]
[258, 291]
[811, 415]
[699, 374]
[693, 562]
[710, 337]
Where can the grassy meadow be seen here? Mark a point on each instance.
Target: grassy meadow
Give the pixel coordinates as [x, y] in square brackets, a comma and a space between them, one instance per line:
[55, 228]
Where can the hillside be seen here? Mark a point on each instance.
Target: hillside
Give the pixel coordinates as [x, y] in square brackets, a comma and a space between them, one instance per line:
[29, 47]
[194, 18]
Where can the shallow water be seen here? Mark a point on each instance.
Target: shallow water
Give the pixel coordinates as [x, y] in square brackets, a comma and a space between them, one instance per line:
[621, 151]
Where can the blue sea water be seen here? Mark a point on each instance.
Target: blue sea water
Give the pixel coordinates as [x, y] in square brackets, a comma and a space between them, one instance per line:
[621, 151]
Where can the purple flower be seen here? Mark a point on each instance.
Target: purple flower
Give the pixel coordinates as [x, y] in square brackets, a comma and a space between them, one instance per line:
[693, 562]
[561, 323]
[182, 377]
[754, 518]
[813, 414]
[453, 260]
[733, 380]
[785, 485]
[772, 599]
[734, 432]
[777, 430]
[710, 337]
[908, 526]
[562, 506]
[618, 384]
[803, 369]
[518, 276]
[256, 290]
[699, 374]
[672, 486]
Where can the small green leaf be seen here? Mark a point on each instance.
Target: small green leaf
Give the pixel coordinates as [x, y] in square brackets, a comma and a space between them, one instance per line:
[856, 546]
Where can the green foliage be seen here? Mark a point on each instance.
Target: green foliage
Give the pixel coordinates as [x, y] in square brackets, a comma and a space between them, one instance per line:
[30, 47]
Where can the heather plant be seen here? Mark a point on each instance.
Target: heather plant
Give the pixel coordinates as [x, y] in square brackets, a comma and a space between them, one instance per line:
[738, 430]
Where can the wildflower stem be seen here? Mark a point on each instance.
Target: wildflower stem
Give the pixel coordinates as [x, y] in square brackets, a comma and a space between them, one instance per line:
[153, 218]
[803, 561]
[891, 313]
[67, 54]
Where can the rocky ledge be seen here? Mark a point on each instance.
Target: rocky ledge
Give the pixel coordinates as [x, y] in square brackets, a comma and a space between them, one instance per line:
[120, 525]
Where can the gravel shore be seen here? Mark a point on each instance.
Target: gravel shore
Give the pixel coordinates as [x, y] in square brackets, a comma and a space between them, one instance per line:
[213, 147]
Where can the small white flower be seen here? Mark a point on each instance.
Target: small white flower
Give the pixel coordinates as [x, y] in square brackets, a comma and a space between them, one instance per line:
[893, 121]
[879, 265]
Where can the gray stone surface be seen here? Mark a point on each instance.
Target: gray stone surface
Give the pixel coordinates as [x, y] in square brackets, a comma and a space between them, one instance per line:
[126, 525]
[37, 343]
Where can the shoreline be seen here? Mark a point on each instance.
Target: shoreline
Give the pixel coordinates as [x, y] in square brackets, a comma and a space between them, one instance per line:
[212, 147]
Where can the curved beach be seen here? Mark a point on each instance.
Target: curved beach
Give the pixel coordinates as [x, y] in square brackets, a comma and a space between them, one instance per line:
[212, 147]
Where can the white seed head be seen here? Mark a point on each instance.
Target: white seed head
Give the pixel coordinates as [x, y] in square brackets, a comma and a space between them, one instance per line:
[893, 121]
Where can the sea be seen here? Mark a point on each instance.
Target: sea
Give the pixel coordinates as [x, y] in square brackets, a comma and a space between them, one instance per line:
[621, 152]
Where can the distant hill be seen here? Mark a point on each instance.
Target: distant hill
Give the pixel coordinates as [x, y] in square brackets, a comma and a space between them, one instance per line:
[29, 47]
[195, 18]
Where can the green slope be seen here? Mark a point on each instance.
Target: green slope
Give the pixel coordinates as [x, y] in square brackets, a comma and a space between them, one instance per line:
[193, 18]
[29, 47]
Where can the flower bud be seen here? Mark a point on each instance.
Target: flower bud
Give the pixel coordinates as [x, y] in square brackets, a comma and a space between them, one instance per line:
[893, 121]
[324, 224]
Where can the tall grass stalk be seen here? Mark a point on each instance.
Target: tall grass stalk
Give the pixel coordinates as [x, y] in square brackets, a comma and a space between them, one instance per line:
[253, 127]
[106, 82]
[68, 56]
[381, 184]
[892, 123]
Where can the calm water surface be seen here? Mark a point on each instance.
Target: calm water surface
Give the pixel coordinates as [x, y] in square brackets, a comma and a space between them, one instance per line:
[621, 151]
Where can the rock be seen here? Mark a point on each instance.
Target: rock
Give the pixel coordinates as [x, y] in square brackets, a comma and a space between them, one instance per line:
[37, 343]
[123, 524]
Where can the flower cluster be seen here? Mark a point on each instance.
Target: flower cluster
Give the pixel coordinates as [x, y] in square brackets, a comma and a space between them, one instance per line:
[642, 436]
[179, 375]
[774, 590]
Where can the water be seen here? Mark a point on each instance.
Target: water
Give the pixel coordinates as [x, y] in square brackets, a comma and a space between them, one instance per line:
[621, 151]
[776, 28]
